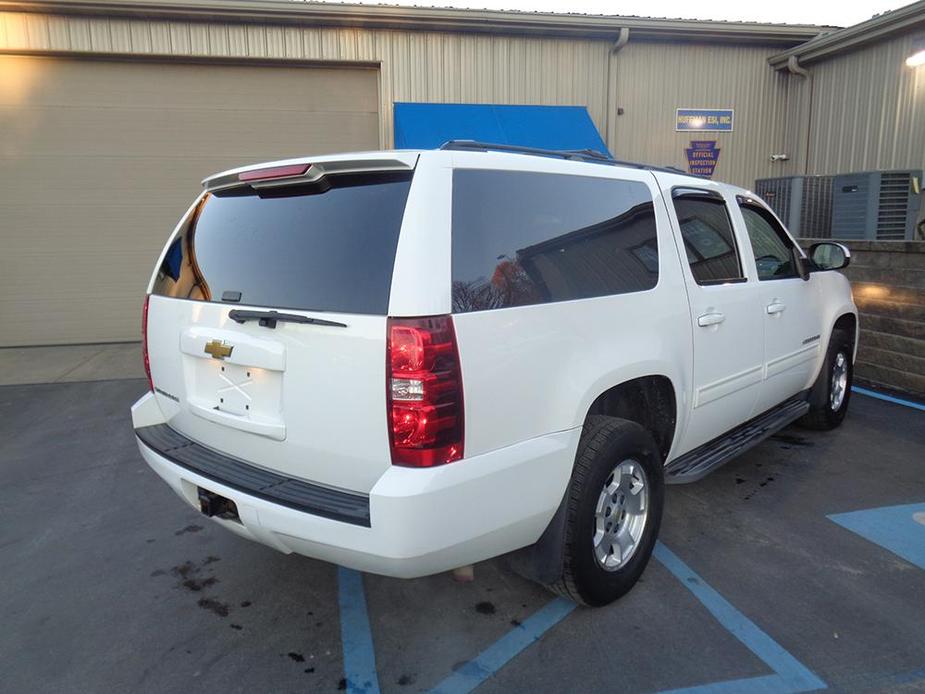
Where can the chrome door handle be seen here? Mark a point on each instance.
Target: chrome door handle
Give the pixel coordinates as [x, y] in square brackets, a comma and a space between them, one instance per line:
[708, 319]
[775, 307]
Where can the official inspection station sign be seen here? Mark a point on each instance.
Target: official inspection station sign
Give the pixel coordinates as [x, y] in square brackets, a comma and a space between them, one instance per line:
[704, 119]
[702, 157]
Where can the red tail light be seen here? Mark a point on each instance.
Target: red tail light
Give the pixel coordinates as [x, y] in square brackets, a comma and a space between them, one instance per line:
[425, 393]
[144, 341]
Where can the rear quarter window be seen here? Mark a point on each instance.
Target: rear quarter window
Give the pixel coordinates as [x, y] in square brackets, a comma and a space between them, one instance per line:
[522, 238]
[327, 246]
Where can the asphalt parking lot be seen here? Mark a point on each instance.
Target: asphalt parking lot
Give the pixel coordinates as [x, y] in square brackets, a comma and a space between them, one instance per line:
[110, 583]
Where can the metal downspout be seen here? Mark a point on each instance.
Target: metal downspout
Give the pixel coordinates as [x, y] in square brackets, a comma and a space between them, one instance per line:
[794, 68]
[622, 39]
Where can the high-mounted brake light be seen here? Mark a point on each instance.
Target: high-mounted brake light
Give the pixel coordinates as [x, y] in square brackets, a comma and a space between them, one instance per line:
[274, 172]
[144, 341]
[424, 391]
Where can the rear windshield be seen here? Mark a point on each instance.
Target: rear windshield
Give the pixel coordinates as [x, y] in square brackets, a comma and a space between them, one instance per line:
[328, 246]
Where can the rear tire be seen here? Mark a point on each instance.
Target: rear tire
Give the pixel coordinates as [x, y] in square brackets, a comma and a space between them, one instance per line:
[828, 400]
[614, 509]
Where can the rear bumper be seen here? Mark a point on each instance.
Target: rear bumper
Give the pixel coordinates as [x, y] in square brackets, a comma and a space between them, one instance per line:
[254, 481]
[421, 521]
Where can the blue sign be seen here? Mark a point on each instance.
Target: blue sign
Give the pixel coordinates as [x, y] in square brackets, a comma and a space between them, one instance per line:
[703, 119]
[702, 156]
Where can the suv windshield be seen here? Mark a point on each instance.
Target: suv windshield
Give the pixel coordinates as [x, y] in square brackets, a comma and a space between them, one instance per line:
[325, 246]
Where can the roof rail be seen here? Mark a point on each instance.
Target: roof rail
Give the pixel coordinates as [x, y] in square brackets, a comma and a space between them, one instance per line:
[586, 155]
[475, 146]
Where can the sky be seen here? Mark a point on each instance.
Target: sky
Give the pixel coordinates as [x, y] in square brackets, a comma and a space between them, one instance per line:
[831, 12]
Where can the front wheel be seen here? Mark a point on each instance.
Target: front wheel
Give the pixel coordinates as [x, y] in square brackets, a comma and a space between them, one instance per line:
[828, 400]
[614, 509]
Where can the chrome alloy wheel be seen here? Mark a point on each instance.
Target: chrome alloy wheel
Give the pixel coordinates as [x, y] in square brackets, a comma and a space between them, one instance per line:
[620, 515]
[839, 381]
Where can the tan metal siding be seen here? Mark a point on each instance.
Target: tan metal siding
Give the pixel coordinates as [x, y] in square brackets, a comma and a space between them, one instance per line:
[415, 65]
[648, 79]
[868, 110]
[651, 80]
[99, 158]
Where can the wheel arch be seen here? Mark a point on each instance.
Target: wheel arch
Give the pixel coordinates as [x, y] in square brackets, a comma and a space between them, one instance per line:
[839, 313]
[651, 401]
[848, 321]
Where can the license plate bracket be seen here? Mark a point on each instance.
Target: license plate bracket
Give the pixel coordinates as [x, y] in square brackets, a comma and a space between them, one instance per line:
[236, 389]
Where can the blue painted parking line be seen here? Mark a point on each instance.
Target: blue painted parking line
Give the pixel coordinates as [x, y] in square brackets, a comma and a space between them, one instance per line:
[356, 636]
[888, 398]
[789, 674]
[900, 529]
[502, 651]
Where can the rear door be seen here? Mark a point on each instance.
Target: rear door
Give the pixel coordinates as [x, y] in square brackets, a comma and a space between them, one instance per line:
[727, 330]
[790, 307]
[301, 392]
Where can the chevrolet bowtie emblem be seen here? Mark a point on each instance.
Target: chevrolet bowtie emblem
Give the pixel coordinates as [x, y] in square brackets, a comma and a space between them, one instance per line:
[218, 349]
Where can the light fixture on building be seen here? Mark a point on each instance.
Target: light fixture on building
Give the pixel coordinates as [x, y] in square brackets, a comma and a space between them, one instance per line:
[918, 53]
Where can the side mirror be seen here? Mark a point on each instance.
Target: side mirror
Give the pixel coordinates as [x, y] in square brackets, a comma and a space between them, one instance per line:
[829, 255]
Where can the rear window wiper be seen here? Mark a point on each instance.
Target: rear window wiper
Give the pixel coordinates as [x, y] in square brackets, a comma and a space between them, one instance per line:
[269, 319]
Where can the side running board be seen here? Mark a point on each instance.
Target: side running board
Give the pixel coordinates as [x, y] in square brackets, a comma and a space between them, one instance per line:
[697, 463]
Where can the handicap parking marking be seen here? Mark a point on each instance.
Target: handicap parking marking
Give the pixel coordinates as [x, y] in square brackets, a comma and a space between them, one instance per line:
[488, 662]
[357, 638]
[888, 398]
[900, 529]
[790, 675]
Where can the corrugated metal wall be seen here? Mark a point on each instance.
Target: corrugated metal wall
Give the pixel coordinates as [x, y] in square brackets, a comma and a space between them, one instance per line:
[648, 80]
[415, 66]
[651, 80]
[867, 106]
[868, 112]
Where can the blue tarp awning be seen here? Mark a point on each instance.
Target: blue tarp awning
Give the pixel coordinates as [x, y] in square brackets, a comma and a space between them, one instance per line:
[427, 126]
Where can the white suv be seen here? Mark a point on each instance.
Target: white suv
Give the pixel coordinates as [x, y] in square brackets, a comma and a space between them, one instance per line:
[408, 362]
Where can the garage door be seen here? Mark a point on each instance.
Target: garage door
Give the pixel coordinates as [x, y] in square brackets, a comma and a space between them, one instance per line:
[99, 159]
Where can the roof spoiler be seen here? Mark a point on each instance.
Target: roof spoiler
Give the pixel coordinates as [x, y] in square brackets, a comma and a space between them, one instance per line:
[297, 172]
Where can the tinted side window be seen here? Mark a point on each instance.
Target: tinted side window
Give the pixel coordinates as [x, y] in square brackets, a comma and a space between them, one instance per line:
[524, 238]
[708, 239]
[773, 250]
